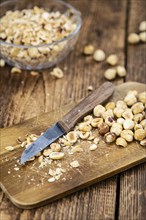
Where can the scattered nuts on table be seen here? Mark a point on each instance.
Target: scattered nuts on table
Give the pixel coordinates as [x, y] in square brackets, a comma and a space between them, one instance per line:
[110, 74]
[15, 70]
[57, 72]
[142, 26]
[133, 38]
[112, 59]
[99, 55]
[88, 49]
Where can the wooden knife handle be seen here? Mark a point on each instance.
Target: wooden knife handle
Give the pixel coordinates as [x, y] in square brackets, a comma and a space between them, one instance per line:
[86, 106]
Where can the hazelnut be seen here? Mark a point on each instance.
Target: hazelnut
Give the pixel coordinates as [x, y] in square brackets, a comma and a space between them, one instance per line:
[93, 147]
[143, 123]
[127, 114]
[127, 135]
[133, 38]
[103, 128]
[72, 137]
[84, 127]
[56, 155]
[110, 105]
[130, 99]
[121, 104]
[142, 36]
[121, 71]
[96, 122]
[88, 119]
[110, 74]
[143, 142]
[84, 135]
[138, 126]
[88, 49]
[108, 113]
[120, 121]
[137, 108]
[109, 121]
[128, 124]
[121, 142]
[142, 26]
[112, 59]
[142, 97]
[139, 134]
[118, 112]
[138, 117]
[109, 137]
[98, 110]
[2, 63]
[55, 147]
[99, 55]
[15, 70]
[116, 128]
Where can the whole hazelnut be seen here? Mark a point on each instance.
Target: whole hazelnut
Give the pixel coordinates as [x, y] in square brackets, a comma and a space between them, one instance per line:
[103, 128]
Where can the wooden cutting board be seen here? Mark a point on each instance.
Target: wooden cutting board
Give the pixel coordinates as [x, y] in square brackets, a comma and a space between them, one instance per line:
[28, 187]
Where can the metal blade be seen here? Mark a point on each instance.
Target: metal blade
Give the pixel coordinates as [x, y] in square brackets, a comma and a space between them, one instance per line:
[42, 142]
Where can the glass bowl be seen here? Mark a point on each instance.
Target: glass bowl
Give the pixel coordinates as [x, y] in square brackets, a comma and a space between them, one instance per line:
[56, 51]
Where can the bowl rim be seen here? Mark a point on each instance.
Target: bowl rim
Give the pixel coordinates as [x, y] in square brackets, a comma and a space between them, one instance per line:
[79, 24]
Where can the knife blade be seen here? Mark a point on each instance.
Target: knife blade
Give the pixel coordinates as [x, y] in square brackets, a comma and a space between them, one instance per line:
[63, 126]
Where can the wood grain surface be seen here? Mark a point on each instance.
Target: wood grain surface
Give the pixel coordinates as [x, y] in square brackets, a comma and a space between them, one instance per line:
[106, 25]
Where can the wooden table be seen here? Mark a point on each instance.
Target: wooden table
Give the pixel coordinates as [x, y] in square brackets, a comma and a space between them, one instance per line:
[106, 24]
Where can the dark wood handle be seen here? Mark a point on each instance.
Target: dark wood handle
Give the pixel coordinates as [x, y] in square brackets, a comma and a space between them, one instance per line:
[99, 96]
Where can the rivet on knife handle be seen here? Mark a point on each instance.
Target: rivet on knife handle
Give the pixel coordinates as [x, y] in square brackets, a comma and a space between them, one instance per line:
[99, 96]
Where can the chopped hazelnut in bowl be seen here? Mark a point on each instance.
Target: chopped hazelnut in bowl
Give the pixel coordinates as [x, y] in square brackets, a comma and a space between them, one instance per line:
[38, 34]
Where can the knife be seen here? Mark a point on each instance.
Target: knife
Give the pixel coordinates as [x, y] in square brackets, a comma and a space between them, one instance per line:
[67, 123]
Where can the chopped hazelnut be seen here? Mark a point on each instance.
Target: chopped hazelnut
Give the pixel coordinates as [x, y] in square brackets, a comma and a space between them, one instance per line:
[127, 114]
[116, 128]
[98, 110]
[110, 105]
[137, 108]
[55, 147]
[143, 142]
[109, 137]
[127, 135]
[56, 155]
[72, 137]
[128, 124]
[103, 128]
[93, 147]
[96, 122]
[121, 142]
[84, 127]
[109, 121]
[142, 97]
[139, 134]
